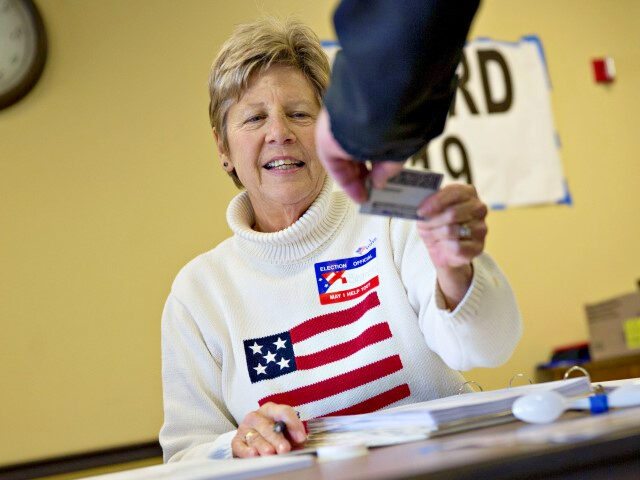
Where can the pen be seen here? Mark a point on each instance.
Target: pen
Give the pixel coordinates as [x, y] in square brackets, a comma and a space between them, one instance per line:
[280, 427]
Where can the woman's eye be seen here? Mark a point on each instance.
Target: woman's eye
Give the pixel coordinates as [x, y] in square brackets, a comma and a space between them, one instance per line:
[254, 118]
[300, 115]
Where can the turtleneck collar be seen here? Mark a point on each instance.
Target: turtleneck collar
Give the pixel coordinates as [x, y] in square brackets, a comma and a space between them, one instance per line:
[296, 242]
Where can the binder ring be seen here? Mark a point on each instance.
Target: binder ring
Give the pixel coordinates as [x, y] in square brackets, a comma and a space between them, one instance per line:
[576, 368]
[468, 382]
[597, 389]
[522, 375]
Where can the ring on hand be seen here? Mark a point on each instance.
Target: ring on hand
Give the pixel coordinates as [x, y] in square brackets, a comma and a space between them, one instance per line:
[249, 435]
[464, 233]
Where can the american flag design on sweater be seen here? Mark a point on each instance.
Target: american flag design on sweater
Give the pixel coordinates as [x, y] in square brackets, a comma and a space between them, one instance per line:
[330, 355]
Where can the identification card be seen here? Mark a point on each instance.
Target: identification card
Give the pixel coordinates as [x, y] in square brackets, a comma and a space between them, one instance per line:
[402, 195]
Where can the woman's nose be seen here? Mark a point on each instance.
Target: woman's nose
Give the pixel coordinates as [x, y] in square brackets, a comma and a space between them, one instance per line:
[279, 131]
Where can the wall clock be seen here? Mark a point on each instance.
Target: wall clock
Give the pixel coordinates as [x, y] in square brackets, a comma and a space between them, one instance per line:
[23, 49]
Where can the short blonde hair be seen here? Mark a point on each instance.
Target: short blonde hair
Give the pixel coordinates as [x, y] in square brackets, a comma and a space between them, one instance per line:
[255, 47]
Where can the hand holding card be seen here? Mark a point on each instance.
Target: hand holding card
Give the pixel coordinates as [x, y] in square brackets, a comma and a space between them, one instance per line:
[450, 223]
[453, 226]
[454, 235]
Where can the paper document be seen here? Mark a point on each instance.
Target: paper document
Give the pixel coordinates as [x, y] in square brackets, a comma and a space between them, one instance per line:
[611, 385]
[458, 412]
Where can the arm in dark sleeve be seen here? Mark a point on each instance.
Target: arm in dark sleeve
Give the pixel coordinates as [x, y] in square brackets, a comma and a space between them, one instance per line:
[394, 79]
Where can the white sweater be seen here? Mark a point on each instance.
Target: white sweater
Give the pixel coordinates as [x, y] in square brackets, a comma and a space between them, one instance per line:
[339, 313]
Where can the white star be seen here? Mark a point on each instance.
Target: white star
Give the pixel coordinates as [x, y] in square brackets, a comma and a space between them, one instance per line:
[270, 357]
[284, 363]
[280, 343]
[256, 348]
[261, 369]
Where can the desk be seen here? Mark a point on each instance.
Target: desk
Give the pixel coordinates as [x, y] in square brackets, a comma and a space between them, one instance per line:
[612, 456]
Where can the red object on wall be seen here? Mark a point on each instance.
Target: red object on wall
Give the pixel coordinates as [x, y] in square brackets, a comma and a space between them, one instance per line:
[604, 70]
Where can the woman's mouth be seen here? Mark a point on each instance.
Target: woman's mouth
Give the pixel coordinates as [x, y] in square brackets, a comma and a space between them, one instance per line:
[284, 164]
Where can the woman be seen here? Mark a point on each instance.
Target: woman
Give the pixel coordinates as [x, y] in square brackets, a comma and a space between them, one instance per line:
[311, 309]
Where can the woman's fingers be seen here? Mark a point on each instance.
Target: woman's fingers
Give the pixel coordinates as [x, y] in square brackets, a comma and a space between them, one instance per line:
[468, 210]
[256, 435]
[446, 247]
[465, 231]
[248, 442]
[284, 413]
[264, 446]
[454, 230]
[240, 448]
[266, 441]
[446, 197]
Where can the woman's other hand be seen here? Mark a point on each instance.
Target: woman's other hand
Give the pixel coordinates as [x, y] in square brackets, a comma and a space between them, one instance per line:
[454, 232]
[256, 437]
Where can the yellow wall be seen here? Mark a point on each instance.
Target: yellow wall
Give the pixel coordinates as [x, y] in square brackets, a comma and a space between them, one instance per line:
[559, 258]
[109, 184]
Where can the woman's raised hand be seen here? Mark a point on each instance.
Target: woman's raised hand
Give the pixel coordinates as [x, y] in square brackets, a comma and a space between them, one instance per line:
[454, 233]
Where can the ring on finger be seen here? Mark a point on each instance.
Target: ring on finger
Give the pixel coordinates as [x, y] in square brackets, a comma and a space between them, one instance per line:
[464, 232]
[249, 435]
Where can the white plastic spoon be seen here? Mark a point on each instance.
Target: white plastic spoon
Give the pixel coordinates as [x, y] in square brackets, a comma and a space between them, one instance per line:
[547, 406]
[541, 407]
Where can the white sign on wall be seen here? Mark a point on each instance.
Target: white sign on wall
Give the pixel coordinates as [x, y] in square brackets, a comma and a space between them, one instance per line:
[500, 134]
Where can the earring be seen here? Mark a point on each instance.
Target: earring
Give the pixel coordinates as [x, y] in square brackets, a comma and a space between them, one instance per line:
[226, 164]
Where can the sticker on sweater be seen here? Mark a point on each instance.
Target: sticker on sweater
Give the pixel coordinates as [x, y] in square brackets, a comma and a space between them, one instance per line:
[346, 278]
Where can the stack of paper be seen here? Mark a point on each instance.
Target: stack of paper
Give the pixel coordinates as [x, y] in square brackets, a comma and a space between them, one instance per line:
[423, 419]
[611, 385]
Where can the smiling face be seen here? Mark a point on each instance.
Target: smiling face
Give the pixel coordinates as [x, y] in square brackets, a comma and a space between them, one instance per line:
[270, 138]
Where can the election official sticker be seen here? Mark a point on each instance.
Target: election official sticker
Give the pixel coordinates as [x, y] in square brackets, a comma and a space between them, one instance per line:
[346, 278]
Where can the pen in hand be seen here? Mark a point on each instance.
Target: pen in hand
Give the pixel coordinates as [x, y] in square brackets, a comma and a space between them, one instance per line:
[280, 427]
[297, 439]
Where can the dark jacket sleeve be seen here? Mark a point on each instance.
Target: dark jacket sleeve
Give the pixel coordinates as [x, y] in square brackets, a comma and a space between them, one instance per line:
[394, 79]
